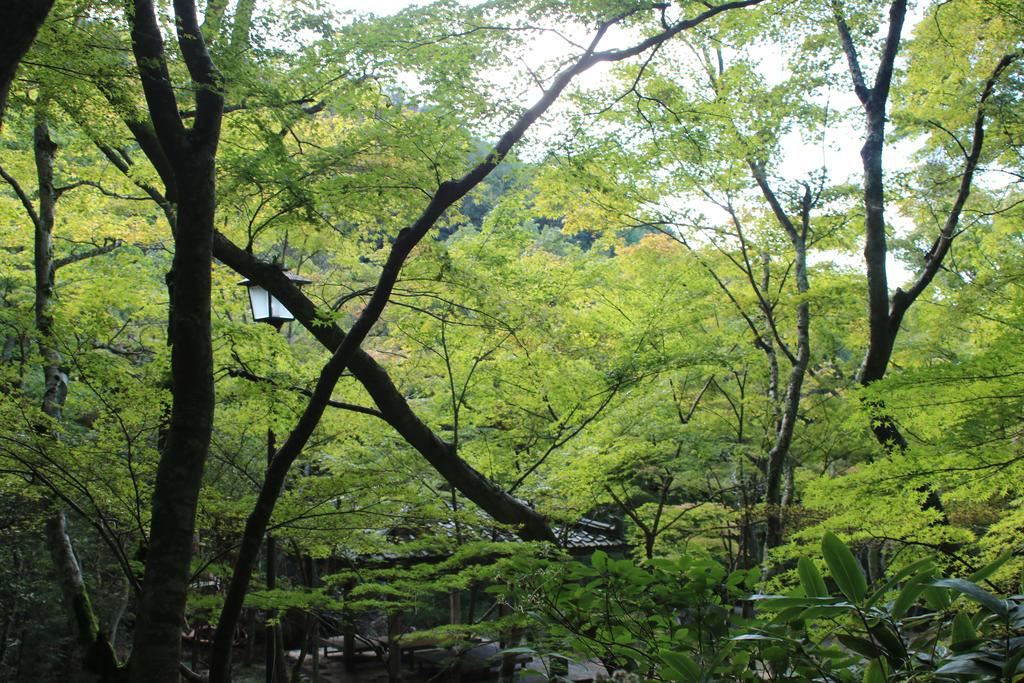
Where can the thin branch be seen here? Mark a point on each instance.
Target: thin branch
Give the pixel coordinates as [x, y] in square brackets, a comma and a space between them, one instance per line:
[883, 77]
[104, 191]
[242, 373]
[942, 244]
[25, 202]
[952, 136]
[851, 55]
[559, 442]
[108, 246]
[685, 419]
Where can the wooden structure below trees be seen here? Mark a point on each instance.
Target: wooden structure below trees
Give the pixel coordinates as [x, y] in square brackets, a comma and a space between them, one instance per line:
[427, 651]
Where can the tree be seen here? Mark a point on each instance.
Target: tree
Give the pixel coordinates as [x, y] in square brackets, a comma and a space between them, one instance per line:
[886, 313]
[183, 146]
[644, 326]
[191, 156]
[446, 195]
[713, 128]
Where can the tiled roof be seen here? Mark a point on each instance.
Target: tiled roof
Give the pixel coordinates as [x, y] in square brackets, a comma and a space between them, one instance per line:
[589, 534]
[584, 536]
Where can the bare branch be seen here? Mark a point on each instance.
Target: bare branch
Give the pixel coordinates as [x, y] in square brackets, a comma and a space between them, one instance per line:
[883, 77]
[933, 260]
[108, 246]
[253, 377]
[25, 201]
[104, 191]
[853, 62]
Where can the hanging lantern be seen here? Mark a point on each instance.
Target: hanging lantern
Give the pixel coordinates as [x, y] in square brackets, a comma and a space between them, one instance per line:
[265, 307]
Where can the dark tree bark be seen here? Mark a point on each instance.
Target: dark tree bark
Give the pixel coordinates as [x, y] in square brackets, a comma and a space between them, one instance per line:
[55, 378]
[274, 664]
[20, 21]
[190, 156]
[393, 406]
[874, 99]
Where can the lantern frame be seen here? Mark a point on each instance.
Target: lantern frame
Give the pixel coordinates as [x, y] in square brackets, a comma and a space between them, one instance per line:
[265, 307]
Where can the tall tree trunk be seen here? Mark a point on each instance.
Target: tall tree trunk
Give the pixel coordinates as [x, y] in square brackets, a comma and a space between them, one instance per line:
[97, 653]
[394, 656]
[779, 453]
[886, 314]
[789, 489]
[274, 652]
[122, 607]
[11, 619]
[314, 644]
[55, 387]
[191, 155]
[882, 329]
[311, 635]
[157, 646]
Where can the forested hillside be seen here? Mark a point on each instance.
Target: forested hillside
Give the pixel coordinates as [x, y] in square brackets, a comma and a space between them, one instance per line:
[678, 339]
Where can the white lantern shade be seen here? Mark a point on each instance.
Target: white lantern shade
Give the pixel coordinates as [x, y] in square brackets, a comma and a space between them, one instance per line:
[265, 307]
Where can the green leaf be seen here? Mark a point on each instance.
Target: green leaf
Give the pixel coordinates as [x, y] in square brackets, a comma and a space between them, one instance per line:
[976, 593]
[912, 569]
[875, 672]
[724, 652]
[969, 665]
[861, 646]
[827, 611]
[963, 635]
[909, 595]
[758, 636]
[681, 666]
[774, 602]
[810, 579]
[1012, 664]
[788, 615]
[991, 568]
[844, 568]
[890, 640]
[936, 598]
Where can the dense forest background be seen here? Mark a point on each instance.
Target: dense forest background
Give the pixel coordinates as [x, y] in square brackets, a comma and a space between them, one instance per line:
[737, 280]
